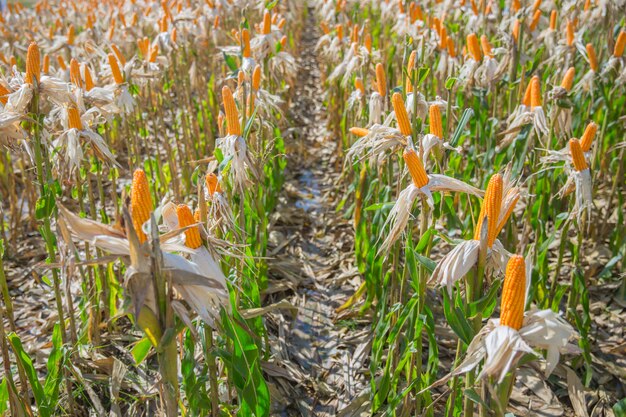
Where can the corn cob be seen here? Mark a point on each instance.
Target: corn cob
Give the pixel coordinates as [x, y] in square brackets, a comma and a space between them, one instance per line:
[587, 138]
[256, 78]
[73, 117]
[61, 63]
[174, 35]
[355, 34]
[451, 50]
[515, 30]
[537, 5]
[154, 52]
[89, 84]
[3, 94]
[359, 131]
[46, 64]
[570, 33]
[267, 22]
[381, 81]
[140, 202]
[535, 20]
[416, 168]
[367, 42]
[118, 53]
[401, 115]
[578, 158]
[115, 69]
[535, 93]
[473, 46]
[339, 30]
[593, 58]
[185, 218]
[71, 31]
[245, 43]
[358, 84]
[33, 64]
[75, 73]
[568, 79]
[325, 27]
[443, 38]
[212, 184]
[490, 209]
[620, 44]
[553, 20]
[486, 46]
[232, 114]
[513, 293]
[436, 127]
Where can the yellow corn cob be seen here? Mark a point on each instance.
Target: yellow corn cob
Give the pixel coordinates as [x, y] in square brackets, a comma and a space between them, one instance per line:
[451, 49]
[46, 64]
[513, 293]
[61, 62]
[568, 79]
[411, 62]
[75, 73]
[143, 45]
[339, 30]
[115, 69]
[620, 44]
[515, 30]
[358, 84]
[89, 84]
[118, 53]
[535, 93]
[484, 42]
[570, 33]
[490, 209]
[282, 23]
[283, 41]
[578, 158]
[473, 46]
[71, 31]
[33, 64]
[416, 168]
[174, 35]
[401, 115]
[436, 126]
[154, 52]
[537, 5]
[355, 33]
[535, 20]
[325, 27]
[267, 22]
[553, 20]
[140, 202]
[73, 117]
[245, 43]
[232, 114]
[13, 61]
[443, 38]
[367, 42]
[256, 78]
[185, 218]
[3, 94]
[593, 58]
[216, 22]
[212, 184]
[381, 81]
[587, 5]
[587, 138]
[359, 131]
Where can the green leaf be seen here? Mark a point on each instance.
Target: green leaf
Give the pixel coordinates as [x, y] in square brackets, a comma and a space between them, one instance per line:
[231, 62]
[141, 349]
[620, 408]
[450, 82]
[455, 317]
[54, 366]
[270, 4]
[475, 397]
[31, 374]
[465, 117]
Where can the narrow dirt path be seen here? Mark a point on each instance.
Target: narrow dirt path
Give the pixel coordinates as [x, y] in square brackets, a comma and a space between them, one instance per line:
[313, 250]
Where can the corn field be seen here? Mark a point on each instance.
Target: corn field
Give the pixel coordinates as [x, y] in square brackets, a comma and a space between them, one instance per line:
[313, 208]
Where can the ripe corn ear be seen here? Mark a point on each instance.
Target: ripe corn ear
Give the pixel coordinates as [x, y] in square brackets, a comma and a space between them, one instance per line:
[416, 168]
[578, 158]
[140, 202]
[33, 65]
[513, 293]
[490, 209]
[185, 218]
[436, 126]
[232, 114]
[401, 115]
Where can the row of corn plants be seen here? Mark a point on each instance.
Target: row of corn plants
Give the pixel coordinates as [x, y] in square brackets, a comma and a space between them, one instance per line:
[142, 140]
[477, 137]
